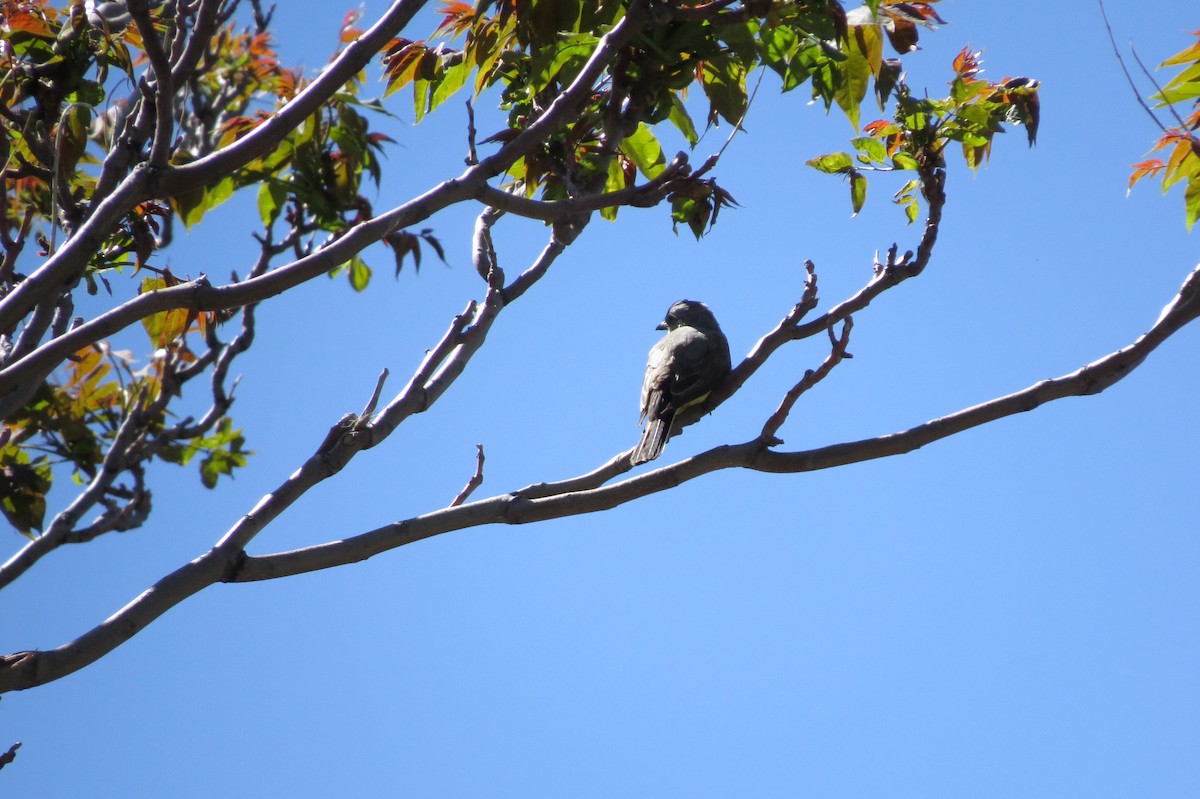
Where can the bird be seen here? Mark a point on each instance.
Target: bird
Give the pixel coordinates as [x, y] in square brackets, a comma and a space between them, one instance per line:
[682, 370]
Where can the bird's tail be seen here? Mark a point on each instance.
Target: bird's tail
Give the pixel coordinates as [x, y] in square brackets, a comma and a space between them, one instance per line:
[654, 438]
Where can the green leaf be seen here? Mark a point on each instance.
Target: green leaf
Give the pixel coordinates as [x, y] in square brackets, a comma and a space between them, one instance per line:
[223, 452]
[568, 51]
[871, 148]
[724, 82]
[193, 205]
[1191, 201]
[864, 51]
[614, 182]
[217, 463]
[449, 82]
[421, 92]
[858, 190]
[645, 151]
[1184, 86]
[779, 42]
[680, 118]
[1187, 56]
[817, 62]
[23, 488]
[164, 327]
[87, 92]
[360, 273]
[271, 197]
[832, 163]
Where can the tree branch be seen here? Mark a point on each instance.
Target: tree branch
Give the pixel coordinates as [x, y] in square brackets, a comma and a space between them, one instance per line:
[519, 508]
[200, 296]
[228, 562]
[345, 439]
[475, 481]
[160, 92]
[811, 378]
[58, 530]
[145, 182]
[648, 194]
[265, 137]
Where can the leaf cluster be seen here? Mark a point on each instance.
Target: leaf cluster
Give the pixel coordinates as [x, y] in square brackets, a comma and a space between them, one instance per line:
[90, 99]
[922, 128]
[529, 52]
[1180, 141]
[122, 120]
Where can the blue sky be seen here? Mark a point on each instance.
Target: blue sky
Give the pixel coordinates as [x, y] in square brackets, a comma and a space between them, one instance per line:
[1010, 612]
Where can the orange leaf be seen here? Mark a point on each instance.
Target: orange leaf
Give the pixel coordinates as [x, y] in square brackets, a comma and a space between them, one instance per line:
[1143, 169]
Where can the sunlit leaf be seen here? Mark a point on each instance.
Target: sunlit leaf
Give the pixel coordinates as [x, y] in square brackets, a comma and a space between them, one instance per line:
[359, 273]
[164, 327]
[832, 163]
[872, 150]
[644, 150]
[858, 190]
[615, 181]
[680, 118]
[1191, 202]
[271, 197]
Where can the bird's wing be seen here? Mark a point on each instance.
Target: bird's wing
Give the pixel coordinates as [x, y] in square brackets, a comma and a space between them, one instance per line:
[699, 360]
[657, 379]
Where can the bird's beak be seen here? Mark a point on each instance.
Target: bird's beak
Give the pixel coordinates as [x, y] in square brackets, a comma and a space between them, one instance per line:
[661, 326]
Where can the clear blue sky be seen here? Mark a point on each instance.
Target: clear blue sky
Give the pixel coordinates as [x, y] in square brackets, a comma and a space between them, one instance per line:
[1012, 612]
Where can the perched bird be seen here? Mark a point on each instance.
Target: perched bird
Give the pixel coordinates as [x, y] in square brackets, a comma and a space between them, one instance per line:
[683, 368]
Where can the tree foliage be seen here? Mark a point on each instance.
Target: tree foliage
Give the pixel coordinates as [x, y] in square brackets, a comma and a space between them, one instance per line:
[1179, 141]
[123, 119]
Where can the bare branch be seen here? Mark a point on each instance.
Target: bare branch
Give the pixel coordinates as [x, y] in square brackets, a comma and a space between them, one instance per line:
[369, 409]
[518, 508]
[1150, 77]
[228, 562]
[345, 439]
[10, 755]
[811, 377]
[897, 268]
[617, 465]
[160, 92]
[483, 253]
[1121, 61]
[475, 481]
[207, 20]
[472, 155]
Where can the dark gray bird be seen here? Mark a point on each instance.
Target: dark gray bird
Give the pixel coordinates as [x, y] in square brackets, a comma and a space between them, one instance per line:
[683, 368]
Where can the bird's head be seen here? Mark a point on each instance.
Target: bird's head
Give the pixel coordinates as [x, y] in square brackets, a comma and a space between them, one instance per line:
[689, 313]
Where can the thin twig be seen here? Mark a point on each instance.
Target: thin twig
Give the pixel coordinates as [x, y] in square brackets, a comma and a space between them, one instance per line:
[1157, 87]
[712, 160]
[8, 756]
[475, 481]
[364, 418]
[162, 93]
[472, 155]
[1121, 61]
[811, 377]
